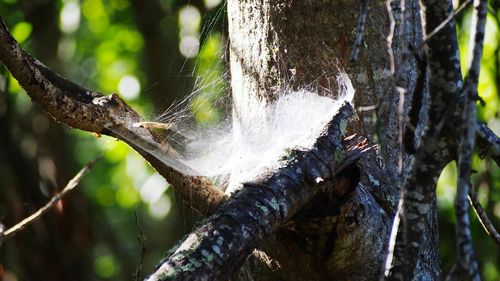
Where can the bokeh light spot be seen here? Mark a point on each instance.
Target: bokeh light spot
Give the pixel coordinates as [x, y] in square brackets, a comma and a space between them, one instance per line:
[160, 209]
[105, 266]
[129, 87]
[22, 31]
[153, 188]
[69, 20]
[189, 46]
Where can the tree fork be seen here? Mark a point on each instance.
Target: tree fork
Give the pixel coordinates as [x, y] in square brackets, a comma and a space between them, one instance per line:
[280, 45]
[219, 247]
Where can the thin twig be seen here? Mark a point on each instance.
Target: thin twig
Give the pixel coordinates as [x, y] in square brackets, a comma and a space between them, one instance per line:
[360, 31]
[140, 239]
[390, 35]
[386, 269]
[483, 217]
[488, 143]
[90, 111]
[466, 259]
[418, 192]
[401, 124]
[70, 186]
[441, 26]
[402, 91]
[399, 218]
[366, 108]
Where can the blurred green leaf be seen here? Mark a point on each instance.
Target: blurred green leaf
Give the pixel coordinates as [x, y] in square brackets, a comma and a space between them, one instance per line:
[106, 266]
[127, 196]
[22, 31]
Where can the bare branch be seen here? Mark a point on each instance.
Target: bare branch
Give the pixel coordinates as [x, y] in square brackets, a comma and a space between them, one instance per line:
[417, 216]
[482, 216]
[466, 260]
[90, 111]
[443, 24]
[140, 239]
[223, 242]
[465, 251]
[40, 212]
[409, 138]
[488, 143]
[361, 29]
[390, 35]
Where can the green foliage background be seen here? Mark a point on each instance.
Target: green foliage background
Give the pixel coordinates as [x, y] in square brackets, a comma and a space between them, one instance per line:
[153, 53]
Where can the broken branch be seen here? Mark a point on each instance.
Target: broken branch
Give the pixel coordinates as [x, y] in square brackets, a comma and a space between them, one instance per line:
[40, 212]
[483, 217]
[488, 143]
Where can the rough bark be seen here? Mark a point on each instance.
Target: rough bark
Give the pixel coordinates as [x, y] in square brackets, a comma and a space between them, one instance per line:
[488, 143]
[218, 248]
[417, 233]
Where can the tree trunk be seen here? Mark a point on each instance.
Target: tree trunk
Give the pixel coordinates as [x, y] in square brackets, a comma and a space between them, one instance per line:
[321, 216]
[281, 45]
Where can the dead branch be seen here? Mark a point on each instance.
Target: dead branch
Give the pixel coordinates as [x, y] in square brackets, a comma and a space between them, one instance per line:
[361, 29]
[488, 143]
[90, 111]
[40, 212]
[483, 217]
[466, 260]
[443, 24]
[140, 239]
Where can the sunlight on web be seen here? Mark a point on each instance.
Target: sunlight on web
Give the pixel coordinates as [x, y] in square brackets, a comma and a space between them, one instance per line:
[242, 152]
[205, 136]
[233, 152]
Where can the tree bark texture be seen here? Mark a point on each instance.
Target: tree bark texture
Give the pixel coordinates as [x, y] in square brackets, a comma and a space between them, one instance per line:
[220, 245]
[281, 45]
